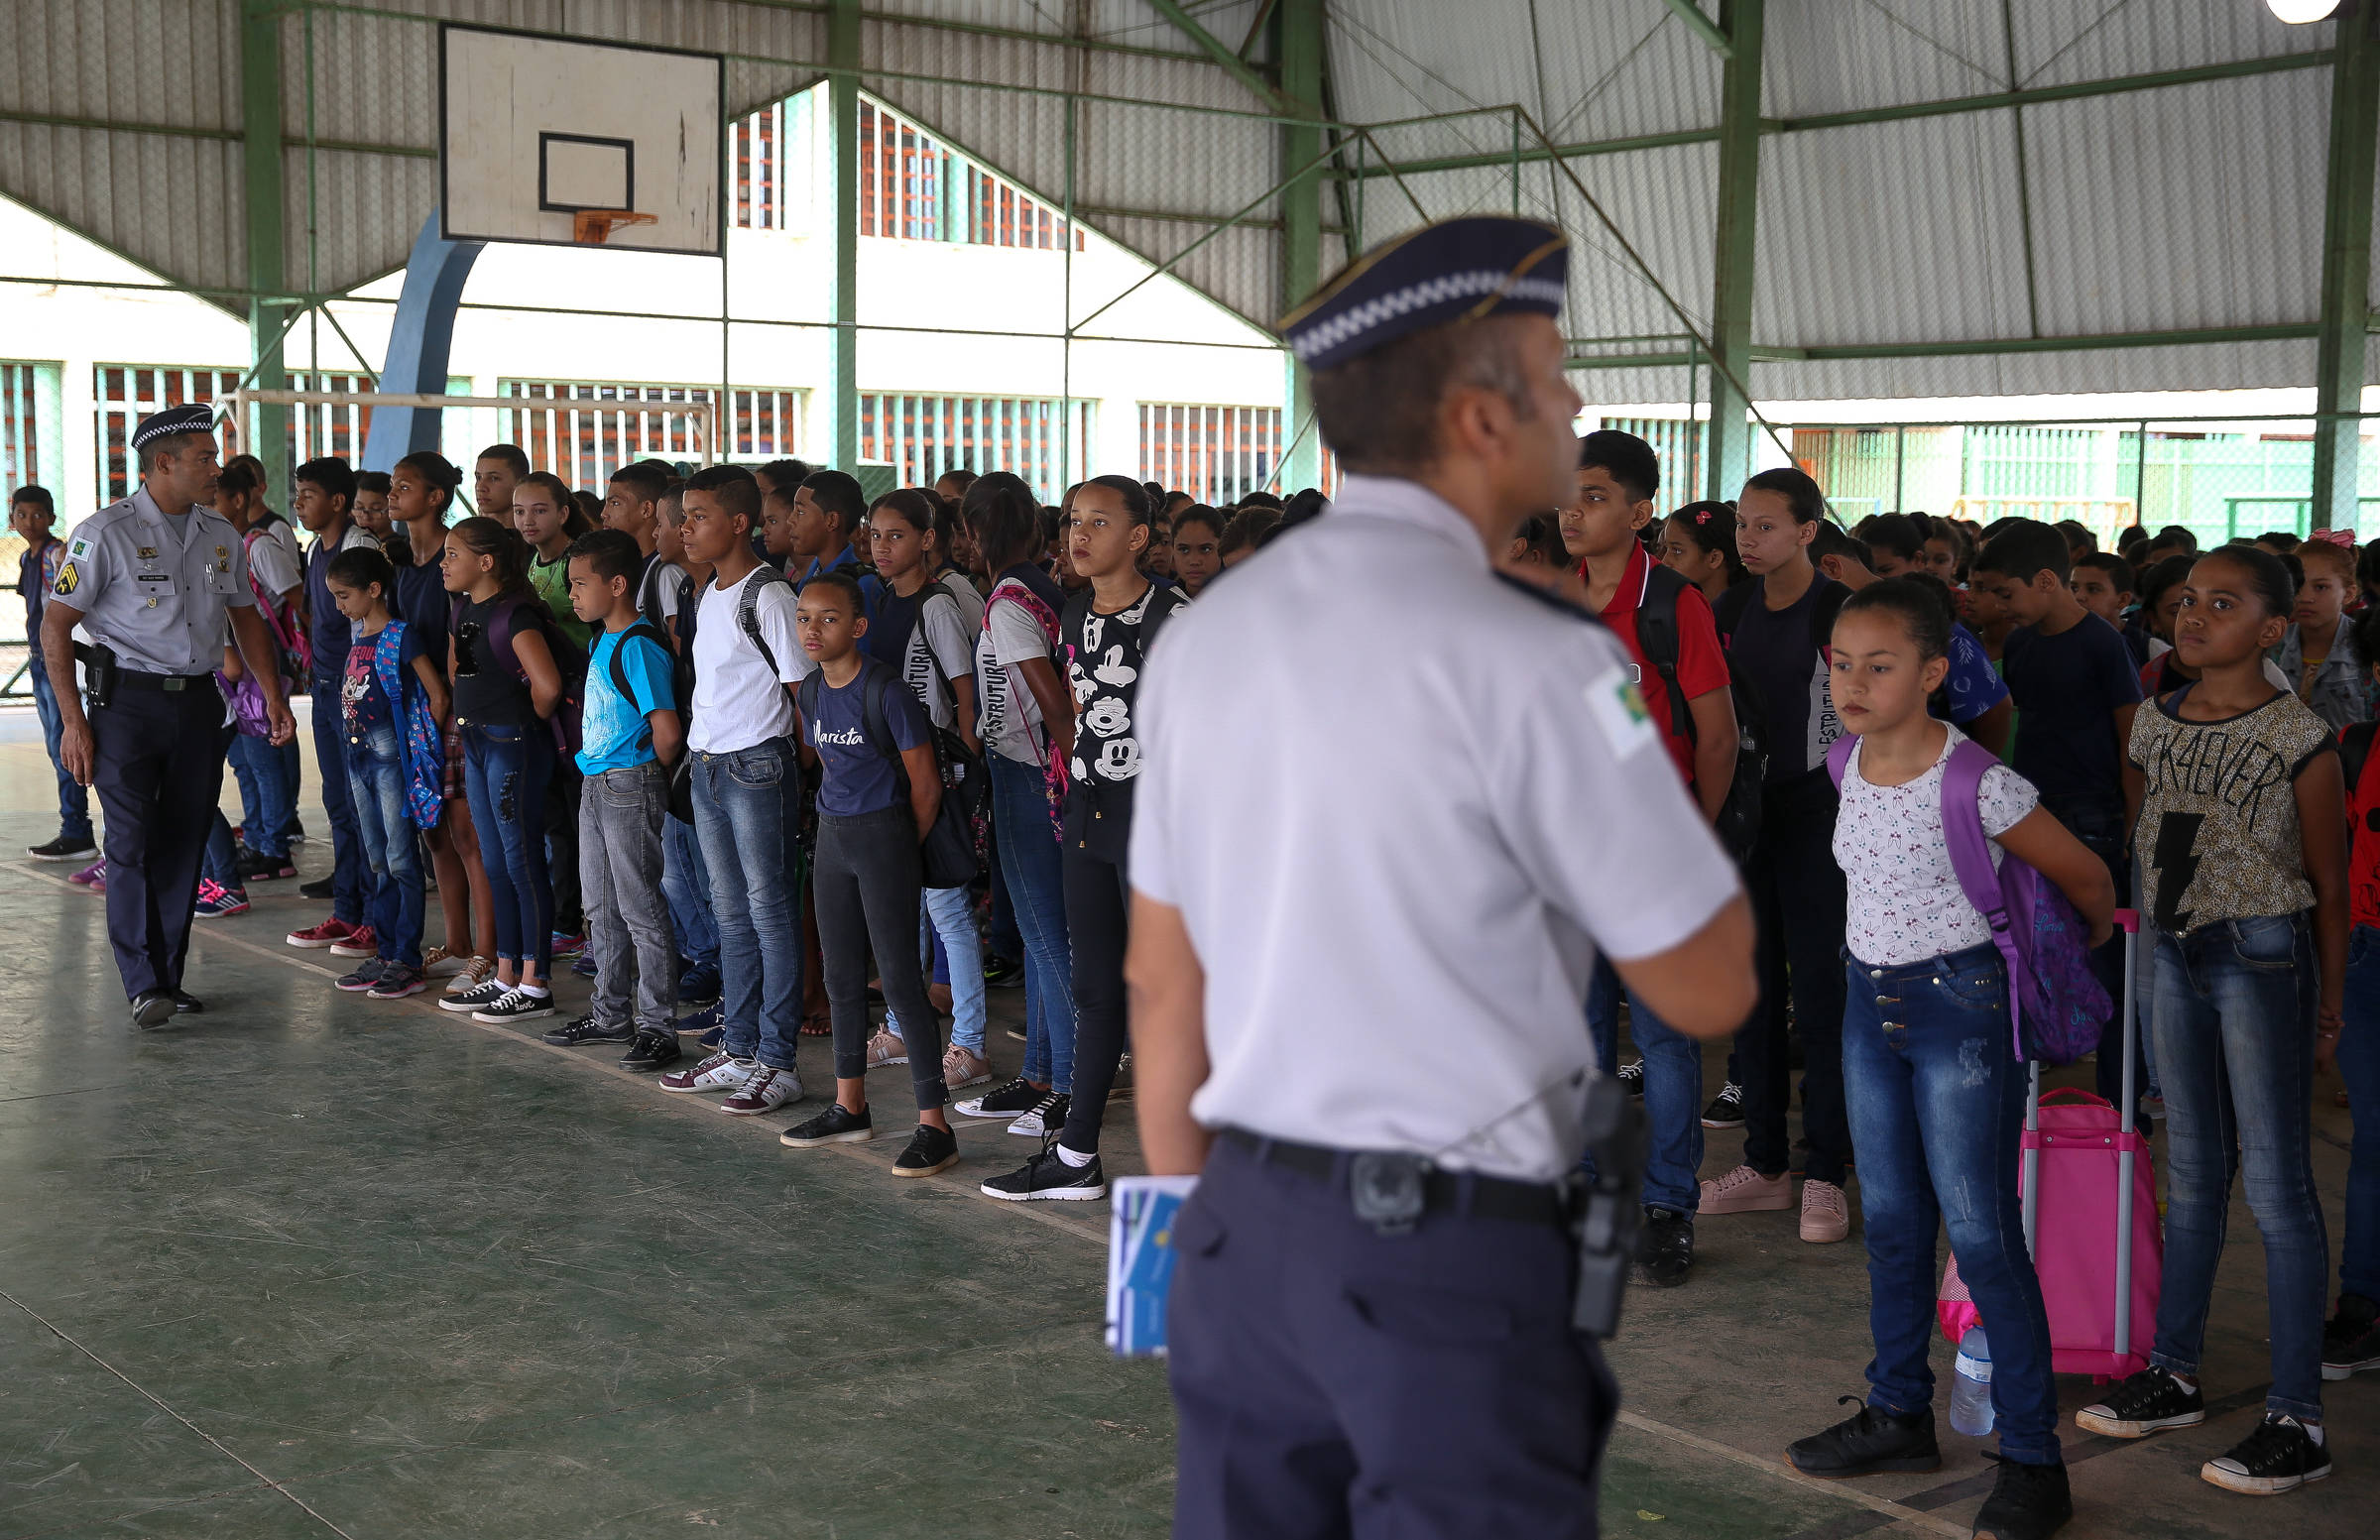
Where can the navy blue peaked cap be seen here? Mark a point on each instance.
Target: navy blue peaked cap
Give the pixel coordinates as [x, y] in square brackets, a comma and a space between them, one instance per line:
[1457, 269]
[197, 418]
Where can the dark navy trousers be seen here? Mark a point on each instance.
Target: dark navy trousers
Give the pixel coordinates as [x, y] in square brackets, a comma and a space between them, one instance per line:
[158, 766]
[1331, 1382]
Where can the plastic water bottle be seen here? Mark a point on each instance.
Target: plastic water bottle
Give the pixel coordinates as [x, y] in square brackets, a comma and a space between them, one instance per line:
[1970, 1392]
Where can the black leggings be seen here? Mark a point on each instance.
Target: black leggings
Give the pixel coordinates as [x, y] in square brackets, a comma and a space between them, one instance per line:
[1097, 896]
[864, 886]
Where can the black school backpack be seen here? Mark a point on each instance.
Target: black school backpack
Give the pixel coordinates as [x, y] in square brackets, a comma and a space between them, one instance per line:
[1739, 822]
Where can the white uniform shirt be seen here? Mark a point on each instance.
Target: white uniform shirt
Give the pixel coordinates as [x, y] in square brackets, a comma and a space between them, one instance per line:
[1399, 804]
[739, 701]
[155, 586]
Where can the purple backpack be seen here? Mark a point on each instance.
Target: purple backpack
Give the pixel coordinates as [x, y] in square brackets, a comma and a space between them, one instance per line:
[2055, 1006]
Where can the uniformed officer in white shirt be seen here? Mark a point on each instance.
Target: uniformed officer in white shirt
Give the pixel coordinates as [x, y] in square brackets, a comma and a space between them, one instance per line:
[152, 580]
[1367, 897]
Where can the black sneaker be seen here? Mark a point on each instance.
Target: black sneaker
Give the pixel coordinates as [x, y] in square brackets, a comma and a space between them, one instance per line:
[2145, 1403]
[1664, 1247]
[255, 867]
[1726, 1109]
[1867, 1442]
[514, 1004]
[586, 1029]
[652, 1050]
[1632, 1075]
[2027, 1503]
[1017, 1096]
[836, 1126]
[1047, 1175]
[2280, 1456]
[1045, 1118]
[63, 849]
[2351, 1340]
[318, 888]
[931, 1150]
[1001, 973]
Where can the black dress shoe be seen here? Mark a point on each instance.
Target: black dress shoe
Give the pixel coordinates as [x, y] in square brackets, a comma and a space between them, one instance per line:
[152, 1008]
[186, 1003]
[1665, 1248]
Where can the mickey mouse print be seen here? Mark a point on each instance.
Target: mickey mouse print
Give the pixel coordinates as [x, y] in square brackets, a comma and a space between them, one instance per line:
[1104, 654]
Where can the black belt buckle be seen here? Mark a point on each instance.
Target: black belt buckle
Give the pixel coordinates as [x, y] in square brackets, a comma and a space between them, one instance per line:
[1388, 1188]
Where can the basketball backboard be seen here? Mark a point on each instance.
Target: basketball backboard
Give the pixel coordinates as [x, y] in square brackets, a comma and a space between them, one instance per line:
[536, 131]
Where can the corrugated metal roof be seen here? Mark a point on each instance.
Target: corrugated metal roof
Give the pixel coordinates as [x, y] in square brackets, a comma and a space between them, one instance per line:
[2192, 206]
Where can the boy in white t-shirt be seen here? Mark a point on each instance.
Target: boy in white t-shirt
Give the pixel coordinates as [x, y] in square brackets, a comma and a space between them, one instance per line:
[747, 792]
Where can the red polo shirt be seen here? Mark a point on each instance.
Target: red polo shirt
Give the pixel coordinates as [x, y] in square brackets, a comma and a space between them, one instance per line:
[1702, 663]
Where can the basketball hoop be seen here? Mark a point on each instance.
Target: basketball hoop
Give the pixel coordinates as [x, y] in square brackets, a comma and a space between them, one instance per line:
[594, 226]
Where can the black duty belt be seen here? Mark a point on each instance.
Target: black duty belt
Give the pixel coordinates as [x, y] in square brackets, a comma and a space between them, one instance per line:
[170, 684]
[1429, 1190]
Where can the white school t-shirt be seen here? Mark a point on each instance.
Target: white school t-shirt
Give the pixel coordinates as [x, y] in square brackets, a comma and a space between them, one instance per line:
[738, 702]
[1009, 715]
[1905, 902]
[938, 642]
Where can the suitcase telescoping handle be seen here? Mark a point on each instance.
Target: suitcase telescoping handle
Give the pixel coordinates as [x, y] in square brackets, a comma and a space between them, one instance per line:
[2029, 1167]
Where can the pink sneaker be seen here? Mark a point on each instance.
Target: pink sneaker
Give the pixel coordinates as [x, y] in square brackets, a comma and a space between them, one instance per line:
[329, 933]
[93, 877]
[1826, 1215]
[1746, 1191]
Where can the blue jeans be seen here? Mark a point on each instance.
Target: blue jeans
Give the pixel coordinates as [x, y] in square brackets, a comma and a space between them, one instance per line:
[74, 800]
[349, 874]
[747, 814]
[265, 795]
[1028, 860]
[220, 863]
[687, 883]
[1937, 1109]
[948, 913]
[2234, 1025]
[1673, 1091]
[505, 771]
[2359, 1067]
[375, 786]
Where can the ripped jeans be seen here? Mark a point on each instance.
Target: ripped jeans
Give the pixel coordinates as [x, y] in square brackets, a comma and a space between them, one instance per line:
[1937, 1104]
[506, 769]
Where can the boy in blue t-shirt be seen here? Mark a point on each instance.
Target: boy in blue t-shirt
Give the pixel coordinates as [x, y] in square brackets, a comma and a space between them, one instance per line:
[629, 736]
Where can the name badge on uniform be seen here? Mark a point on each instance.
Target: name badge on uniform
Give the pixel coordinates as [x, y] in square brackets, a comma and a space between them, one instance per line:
[1617, 707]
[153, 577]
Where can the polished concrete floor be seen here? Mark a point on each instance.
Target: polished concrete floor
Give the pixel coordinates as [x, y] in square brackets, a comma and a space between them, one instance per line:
[321, 1266]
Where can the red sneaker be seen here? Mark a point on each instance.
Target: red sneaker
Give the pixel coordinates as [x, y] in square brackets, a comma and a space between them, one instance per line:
[329, 933]
[358, 942]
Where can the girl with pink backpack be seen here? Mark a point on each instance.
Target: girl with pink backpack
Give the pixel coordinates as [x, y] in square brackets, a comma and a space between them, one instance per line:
[1933, 1069]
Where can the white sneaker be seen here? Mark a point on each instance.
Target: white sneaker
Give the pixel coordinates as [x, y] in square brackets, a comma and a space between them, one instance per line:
[1045, 1117]
[765, 1091]
[719, 1072]
[887, 1047]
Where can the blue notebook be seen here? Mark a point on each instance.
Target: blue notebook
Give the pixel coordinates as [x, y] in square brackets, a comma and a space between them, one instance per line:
[1140, 1258]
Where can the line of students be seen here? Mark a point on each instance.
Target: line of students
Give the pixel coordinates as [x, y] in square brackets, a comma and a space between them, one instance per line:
[2223, 806]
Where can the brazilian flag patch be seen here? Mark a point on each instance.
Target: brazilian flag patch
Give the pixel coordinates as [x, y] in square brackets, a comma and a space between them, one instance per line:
[69, 577]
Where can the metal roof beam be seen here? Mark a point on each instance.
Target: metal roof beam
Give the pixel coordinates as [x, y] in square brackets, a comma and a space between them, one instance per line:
[1691, 13]
[1298, 44]
[2347, 268]
[1232, 65]
[261, 199]
[1986, 102]
[843, 141]
[1832, 353]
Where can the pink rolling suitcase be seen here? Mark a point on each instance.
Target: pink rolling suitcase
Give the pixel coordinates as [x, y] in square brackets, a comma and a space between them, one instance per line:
[2090, 1199]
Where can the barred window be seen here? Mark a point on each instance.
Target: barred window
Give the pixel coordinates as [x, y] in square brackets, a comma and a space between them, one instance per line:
[127, 392]
[1043, 441]
[1218, 454]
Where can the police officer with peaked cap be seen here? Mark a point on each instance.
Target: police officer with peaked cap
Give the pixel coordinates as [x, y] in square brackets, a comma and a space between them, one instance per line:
[1391, 807]
[152, 580]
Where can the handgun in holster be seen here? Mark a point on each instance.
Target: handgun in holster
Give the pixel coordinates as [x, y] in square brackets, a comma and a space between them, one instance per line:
[1607, 1213]
[98, 661]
